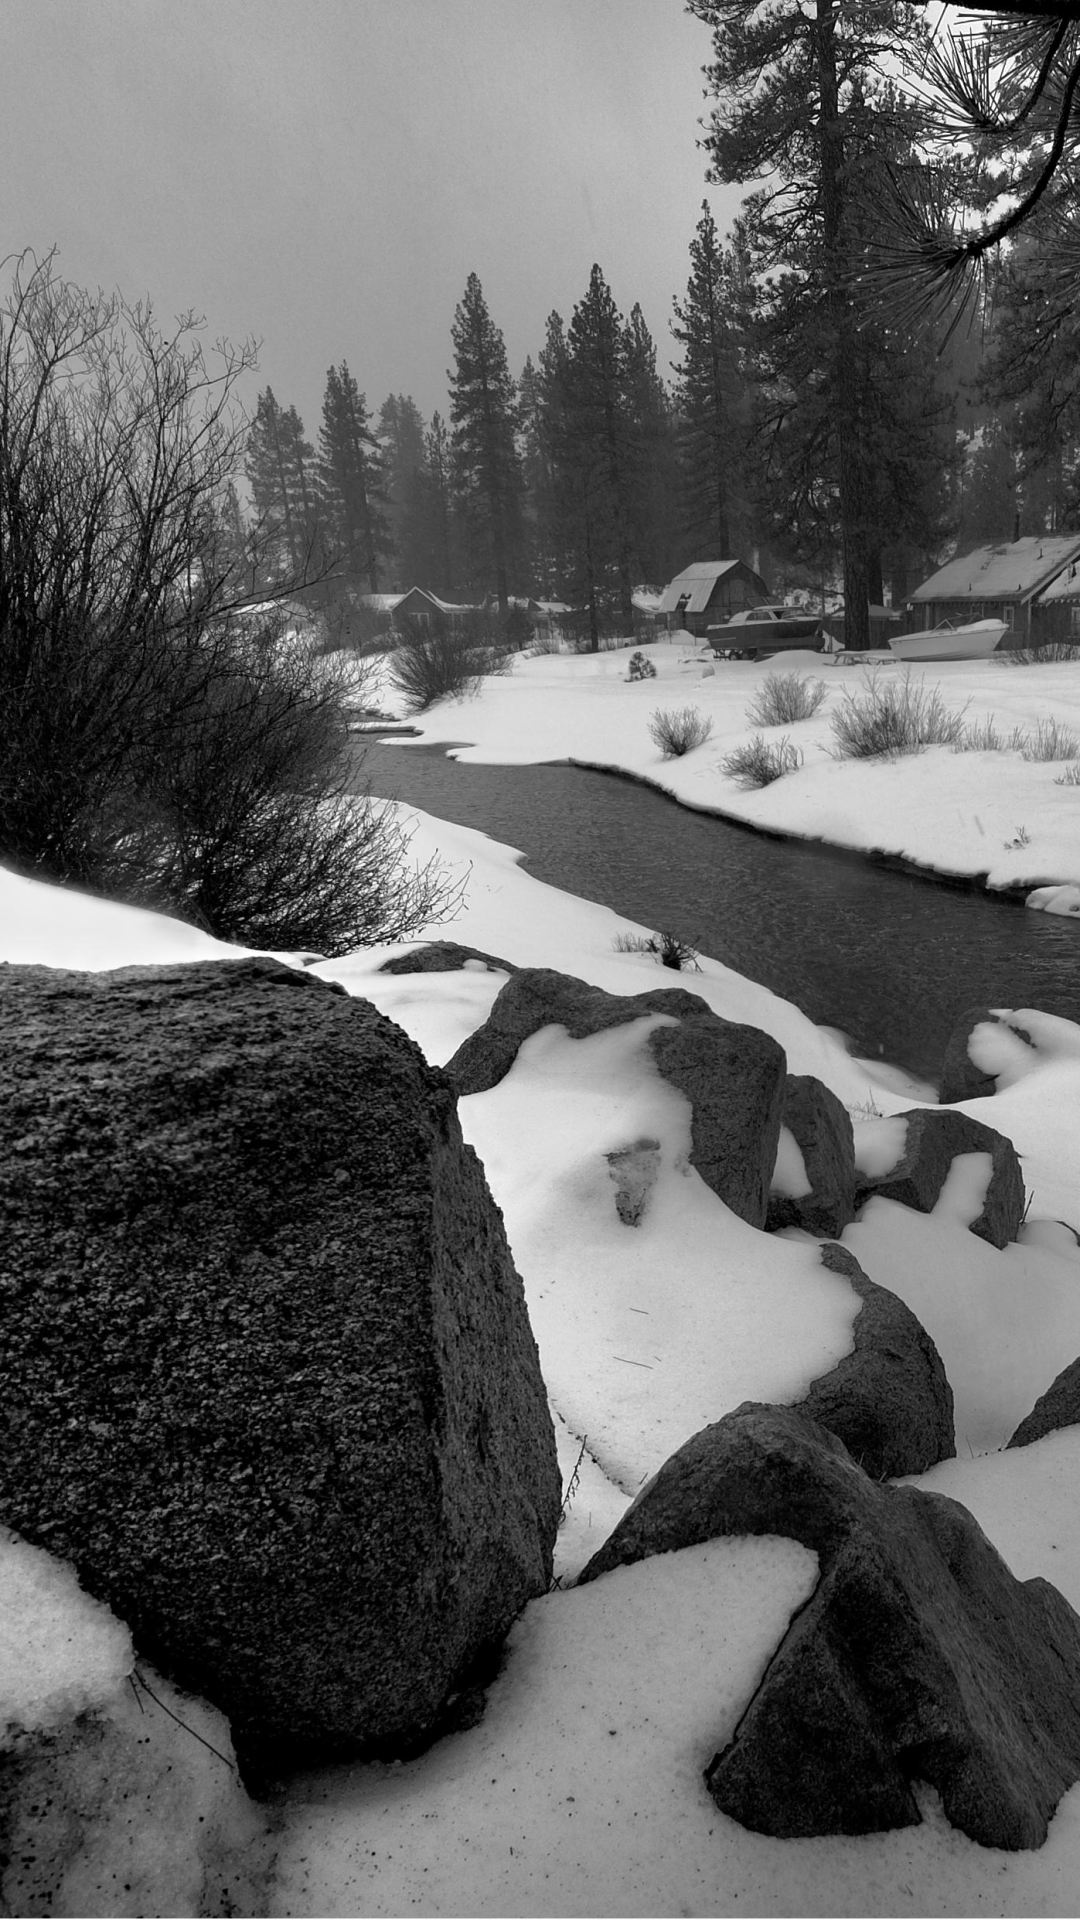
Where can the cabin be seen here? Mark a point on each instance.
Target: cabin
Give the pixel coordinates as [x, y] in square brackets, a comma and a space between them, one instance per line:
[709, 591]
[1059, 608]
[1009, 581]
[416, 604]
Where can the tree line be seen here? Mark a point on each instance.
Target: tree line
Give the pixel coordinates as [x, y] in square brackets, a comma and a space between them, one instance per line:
[813, 408]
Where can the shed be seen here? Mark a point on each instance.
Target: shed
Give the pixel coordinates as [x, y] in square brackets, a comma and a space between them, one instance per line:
[710, 591]
[1006, 581]
[418, 604]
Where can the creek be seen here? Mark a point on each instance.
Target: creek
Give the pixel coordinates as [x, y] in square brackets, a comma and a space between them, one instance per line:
[890, 958]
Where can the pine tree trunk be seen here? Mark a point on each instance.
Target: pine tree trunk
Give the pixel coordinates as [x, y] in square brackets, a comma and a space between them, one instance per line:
[853, 533]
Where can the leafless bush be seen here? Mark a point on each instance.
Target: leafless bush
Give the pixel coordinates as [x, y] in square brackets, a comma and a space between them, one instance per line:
[1050, 741]
[440, 659]
[679, 730]
[1070, 777]
[761, 761]
[893, 717]
[668, 948]
[161, 737]
[1052, 651]
[784, 698]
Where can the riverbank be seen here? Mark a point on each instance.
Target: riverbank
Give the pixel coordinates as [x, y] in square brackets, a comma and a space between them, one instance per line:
[991, 818]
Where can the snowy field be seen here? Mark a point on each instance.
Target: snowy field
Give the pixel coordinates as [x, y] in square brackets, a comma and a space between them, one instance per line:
[581, 1791]
[987, 813]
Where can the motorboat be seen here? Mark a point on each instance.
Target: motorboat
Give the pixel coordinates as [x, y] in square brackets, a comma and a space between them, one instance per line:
[946, 642]
[757, 630]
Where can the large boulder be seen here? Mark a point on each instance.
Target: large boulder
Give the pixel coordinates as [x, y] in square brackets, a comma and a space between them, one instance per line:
[270, 1383]
[732, 1075]
[821, 1127]
[918, 1657]
[889, 1399]
[932, 1141]
[1058, 1407]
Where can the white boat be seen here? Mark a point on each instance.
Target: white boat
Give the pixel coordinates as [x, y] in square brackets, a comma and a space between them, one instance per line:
[946, 642]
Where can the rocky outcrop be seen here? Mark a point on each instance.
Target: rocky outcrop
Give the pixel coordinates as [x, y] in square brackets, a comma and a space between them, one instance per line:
[821, 1126]
[270, 1383]
[1058, 1407]
[932, 1142]
[918, 1657]
[889, 1399]
[732, 1075]
[442, 956]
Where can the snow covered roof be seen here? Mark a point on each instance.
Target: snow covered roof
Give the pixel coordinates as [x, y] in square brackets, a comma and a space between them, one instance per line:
[645, 600]
[1065, 587]
[1014, 569]
[380, 602]
[696, 581]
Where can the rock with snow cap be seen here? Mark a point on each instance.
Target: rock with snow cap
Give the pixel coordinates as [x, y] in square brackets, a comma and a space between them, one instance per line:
[961, 1079]
[733, 1075]
[933, 1140]
[821, 1127]
[918, 1657]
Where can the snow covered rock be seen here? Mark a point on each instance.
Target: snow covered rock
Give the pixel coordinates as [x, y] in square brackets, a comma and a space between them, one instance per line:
[821, 1128]
[1058, 1407]
[270, 1382]
[442, 956]
[733, 1075]
[918, 1657]
[932, 1141]
[888, 1400]
[118, 1795]
[961, 1078]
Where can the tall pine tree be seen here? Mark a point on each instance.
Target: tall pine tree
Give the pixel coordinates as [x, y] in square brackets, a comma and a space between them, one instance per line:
[401, 438]
[713, 400]
[280, 469]
[350, 480]
[598, 454]
[427, 533]
[487, 466]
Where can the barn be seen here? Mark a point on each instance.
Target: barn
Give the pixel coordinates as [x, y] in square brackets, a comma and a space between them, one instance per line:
[710, 591]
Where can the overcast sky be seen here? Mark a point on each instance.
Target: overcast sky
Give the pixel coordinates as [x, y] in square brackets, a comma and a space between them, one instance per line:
[325, 174]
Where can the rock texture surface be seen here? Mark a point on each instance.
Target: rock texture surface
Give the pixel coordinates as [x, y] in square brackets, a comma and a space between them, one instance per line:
[918, 1657]
[822, 1127]
[889, 1400]
[1058, 1407]
[732, 1075]
[270, 1383]
[933, 1140]
[442, 956]
[961, 1079]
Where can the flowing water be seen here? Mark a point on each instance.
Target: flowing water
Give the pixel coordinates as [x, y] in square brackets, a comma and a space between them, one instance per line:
[889, 958]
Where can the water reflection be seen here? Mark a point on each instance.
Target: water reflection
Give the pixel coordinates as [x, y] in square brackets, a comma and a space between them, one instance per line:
[888, 958]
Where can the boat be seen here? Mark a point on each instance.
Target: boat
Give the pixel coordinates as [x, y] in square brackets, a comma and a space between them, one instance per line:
[946, 642]
[759, 630]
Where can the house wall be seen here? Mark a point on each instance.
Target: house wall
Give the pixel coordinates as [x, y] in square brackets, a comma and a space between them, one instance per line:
[730, 594]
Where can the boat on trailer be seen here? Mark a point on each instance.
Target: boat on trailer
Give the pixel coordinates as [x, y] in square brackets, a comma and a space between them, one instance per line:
[976, 641]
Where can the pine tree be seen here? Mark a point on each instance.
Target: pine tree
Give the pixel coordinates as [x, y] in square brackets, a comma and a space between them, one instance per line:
[802, 96]
[598, 449]
[487, 466]
[713, 398]
[427, 537]
[654, 469]
[280, 469]
[401, 440]
[350, 481]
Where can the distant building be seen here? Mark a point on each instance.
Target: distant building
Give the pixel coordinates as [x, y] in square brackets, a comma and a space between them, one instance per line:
[1015, 580]
[710, 591]
[416, 603]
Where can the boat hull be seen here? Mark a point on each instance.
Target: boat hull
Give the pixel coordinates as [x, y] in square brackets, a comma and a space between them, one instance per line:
[974, 642]
[765, 636]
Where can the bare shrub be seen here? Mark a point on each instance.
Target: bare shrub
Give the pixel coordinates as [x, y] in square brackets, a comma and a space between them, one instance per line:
[1070, 777]
[761, 761]
[162, 737]
[784, 698]
[668, 947]
[981, 737]
[893, 717]
[436, 659]
[1046, 655]
[1050, 741]
[678, 730]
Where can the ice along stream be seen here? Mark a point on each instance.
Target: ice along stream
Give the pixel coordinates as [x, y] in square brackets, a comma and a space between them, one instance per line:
[890, 958]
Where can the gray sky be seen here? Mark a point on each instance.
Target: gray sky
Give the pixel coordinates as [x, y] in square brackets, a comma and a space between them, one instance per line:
[325, 174]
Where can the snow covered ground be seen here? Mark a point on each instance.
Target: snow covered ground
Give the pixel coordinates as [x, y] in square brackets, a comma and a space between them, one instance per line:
[581, 1791]
[987, 813]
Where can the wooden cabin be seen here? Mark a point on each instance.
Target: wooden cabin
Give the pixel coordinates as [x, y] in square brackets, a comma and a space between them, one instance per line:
[710, 591]
[1008, 580]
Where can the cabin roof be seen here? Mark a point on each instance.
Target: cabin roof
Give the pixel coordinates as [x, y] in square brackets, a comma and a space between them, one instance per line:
[1008, 570]
[697, 582]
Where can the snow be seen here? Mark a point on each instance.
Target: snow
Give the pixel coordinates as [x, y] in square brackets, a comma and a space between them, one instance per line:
[61, 1653]
[989, 814]
[580, 1791]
